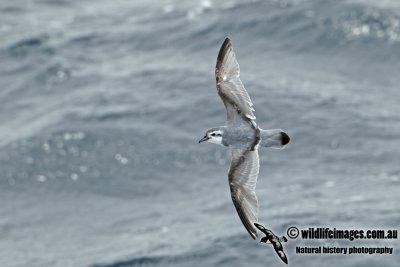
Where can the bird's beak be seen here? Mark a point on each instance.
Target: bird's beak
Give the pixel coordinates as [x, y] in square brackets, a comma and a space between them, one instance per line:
[205, 138]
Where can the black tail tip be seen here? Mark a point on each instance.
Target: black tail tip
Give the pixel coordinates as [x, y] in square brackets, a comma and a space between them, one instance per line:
[284, 138]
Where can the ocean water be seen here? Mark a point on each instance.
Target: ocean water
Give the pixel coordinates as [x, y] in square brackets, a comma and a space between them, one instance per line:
[102, 104]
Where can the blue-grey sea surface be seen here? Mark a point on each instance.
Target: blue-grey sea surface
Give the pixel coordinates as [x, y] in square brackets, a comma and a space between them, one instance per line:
[102, 104]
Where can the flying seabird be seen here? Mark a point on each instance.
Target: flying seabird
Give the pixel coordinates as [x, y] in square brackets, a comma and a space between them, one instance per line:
[242, 135]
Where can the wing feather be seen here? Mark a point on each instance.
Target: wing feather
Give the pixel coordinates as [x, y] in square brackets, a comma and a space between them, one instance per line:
[243, 175]
[229, 86]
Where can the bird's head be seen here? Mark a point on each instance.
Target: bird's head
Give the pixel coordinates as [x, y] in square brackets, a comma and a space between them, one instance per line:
[213, 135]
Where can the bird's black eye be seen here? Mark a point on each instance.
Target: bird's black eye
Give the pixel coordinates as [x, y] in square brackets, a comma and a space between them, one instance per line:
[213, 134]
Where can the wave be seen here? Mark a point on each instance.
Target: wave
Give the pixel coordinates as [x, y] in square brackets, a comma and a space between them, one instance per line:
[299, 26]
[217, 252]
[146, 261]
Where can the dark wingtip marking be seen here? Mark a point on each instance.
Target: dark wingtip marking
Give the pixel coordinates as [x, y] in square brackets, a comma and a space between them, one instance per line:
[285, 138]
[227, 39]
[222, 51]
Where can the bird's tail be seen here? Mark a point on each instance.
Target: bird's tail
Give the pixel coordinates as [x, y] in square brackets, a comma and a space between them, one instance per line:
[275, 138]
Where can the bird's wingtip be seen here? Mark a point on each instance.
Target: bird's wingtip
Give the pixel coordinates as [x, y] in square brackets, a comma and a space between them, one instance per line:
[227, 42]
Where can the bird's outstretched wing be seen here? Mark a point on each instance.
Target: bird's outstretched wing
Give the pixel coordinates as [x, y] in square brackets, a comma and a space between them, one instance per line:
[229, 86]
[243, 175]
